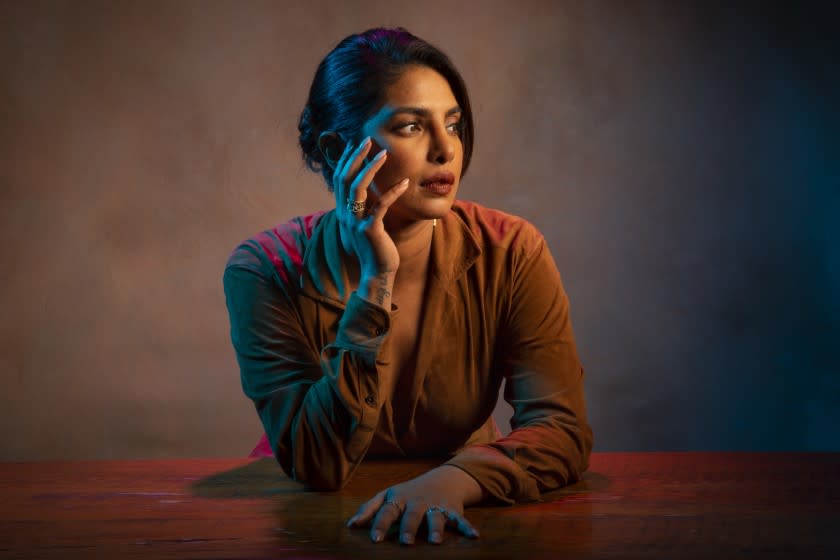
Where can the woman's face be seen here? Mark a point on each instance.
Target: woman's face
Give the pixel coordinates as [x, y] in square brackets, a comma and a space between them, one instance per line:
[418, 125]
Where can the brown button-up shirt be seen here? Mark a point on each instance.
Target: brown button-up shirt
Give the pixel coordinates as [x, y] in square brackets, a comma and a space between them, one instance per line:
[309, 350]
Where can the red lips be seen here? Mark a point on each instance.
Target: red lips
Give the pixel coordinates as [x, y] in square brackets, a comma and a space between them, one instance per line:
[444, 177]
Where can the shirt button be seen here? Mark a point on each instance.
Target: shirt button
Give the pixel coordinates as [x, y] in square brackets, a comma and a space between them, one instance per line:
[370, 400]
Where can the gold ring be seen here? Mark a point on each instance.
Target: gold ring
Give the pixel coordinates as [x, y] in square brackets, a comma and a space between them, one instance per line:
[356, 206]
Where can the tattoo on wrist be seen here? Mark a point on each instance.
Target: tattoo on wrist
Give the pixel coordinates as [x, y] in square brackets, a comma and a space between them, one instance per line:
[382, 290]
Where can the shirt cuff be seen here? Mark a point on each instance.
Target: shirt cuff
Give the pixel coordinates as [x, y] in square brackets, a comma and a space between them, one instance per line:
[363, 328]
[497, 474]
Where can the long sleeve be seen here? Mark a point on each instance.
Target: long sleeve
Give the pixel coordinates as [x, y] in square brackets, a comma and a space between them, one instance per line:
[551, 440]
[319, 407]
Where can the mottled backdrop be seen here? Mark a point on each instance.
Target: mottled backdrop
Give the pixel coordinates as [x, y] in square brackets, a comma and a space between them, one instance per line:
[681, 159]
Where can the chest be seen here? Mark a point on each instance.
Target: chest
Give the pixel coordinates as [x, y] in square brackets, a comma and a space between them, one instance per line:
[406, 331]
[441, 345]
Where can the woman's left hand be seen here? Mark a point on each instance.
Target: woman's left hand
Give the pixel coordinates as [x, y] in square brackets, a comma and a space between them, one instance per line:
[438, 496]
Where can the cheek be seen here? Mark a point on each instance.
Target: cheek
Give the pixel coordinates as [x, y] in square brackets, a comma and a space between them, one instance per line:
[393, 171]
[459, 154]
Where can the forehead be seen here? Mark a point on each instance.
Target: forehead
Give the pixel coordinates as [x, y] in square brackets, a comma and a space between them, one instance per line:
[420, 86]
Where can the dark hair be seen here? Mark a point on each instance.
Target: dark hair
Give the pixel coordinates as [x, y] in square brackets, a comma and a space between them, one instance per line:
[350, 82]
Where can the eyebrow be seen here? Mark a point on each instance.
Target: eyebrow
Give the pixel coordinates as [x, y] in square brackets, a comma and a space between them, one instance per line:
[421, 112]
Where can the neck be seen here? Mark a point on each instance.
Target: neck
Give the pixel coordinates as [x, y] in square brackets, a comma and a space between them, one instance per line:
[414, 244]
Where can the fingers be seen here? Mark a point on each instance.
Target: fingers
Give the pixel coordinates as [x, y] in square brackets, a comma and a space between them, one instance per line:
[461, 523]
[411, 520]
[348, 165]
[367, 510]
[338, 182]
[437, 518]
[351, 159]
[385, 509]
[387, 199]
[339, 166]
[359, 187]
[436, 522]
[385, 517]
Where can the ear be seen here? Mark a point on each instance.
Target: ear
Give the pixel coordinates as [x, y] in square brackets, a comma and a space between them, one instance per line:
[331, 146]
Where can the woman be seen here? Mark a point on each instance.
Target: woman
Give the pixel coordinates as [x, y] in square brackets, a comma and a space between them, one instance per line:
[385, 326]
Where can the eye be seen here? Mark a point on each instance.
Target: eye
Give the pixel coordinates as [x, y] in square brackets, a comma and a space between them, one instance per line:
[455, 127]
[408, 128]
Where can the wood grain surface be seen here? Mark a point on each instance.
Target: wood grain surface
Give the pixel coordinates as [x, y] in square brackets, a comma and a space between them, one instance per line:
[629, 505]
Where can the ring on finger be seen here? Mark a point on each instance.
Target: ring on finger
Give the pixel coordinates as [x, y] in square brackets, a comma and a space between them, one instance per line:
[357, 207]
[395, 503]
[446, 513]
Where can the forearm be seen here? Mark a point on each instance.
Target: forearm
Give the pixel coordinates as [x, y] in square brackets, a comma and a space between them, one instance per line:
[328, 437]
[336, 421]
[551, 440]
[319, 408]
[548, 452]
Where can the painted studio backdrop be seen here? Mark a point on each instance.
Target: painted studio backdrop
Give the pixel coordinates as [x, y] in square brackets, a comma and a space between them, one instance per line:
[681, 159]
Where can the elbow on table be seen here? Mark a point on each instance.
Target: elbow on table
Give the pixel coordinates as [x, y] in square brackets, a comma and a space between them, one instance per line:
[577, 460]
[312, 467]
[572, 453]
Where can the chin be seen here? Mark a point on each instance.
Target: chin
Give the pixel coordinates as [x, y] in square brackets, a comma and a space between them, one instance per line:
[434, 208]
[422, 209]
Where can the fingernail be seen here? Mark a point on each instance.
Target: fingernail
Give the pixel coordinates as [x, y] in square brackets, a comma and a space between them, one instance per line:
[474, 534]
[435, 537]
[351, 521]
[407, 538]
[380, 155]
[404, 182]
[366, 141]
[376, 536]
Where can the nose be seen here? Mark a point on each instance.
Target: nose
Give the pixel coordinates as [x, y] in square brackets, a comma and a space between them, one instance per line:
[441, 145]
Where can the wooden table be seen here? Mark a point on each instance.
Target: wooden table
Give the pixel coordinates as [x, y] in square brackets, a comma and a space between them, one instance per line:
[629, 505]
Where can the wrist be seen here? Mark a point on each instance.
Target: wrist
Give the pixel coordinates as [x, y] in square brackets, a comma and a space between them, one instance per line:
[376, 287]
[468, 489]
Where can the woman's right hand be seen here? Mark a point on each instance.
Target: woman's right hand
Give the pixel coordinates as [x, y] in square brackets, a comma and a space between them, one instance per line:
[363, 233]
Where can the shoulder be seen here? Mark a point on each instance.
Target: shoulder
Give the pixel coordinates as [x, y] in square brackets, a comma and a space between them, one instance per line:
[494, 229]
[277, 251]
